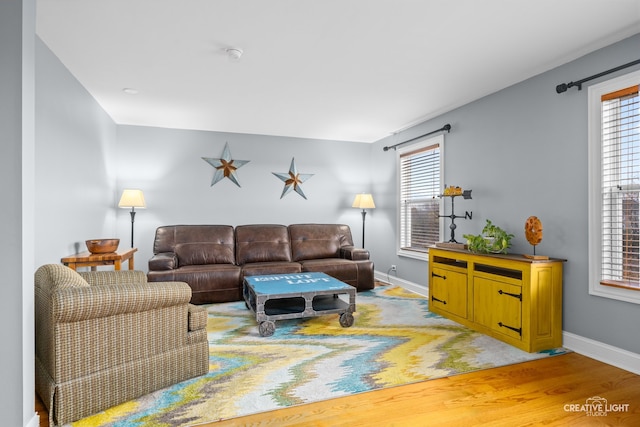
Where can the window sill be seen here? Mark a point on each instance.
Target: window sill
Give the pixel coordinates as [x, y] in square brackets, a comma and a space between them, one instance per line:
[620, 284]
[619, 293]
[423, 256]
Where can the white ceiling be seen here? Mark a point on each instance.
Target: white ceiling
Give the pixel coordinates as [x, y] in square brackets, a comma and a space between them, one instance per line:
[353, 70]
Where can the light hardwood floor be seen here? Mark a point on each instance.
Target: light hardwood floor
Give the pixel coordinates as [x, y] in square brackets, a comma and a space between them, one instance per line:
[526, 394]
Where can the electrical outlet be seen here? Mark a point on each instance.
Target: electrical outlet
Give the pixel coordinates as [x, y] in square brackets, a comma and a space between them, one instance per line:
[393, 267]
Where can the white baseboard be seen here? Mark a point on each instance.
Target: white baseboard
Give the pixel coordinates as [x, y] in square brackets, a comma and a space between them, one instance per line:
[34, 421]
[393, 280]
[605, 353]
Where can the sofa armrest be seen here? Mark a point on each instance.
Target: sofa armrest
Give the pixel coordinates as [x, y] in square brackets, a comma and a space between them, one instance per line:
[198, 316]
[163, 261]
[75, 304]
[113, 277]
[353, 253]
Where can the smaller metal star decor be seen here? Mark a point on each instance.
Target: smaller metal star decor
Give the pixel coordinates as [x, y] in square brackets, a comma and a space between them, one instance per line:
[225, 167]
[293, 180]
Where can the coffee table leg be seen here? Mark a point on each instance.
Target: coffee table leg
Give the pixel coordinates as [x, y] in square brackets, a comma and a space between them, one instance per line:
[266, 328]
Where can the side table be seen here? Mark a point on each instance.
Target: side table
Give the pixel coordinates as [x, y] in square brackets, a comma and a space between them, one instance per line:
[87, 259]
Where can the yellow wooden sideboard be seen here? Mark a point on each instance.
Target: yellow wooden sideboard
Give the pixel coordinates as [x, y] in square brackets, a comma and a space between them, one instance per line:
[509, 297]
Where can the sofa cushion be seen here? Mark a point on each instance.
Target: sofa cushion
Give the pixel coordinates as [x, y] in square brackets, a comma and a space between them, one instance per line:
[261, 268]
[168, 236]
[204, 253]
[341, 269]
[358, 274]
[262, 243]
[209, 282]
[315, 241]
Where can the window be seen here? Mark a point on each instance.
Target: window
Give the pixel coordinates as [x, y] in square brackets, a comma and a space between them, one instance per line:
[420, 183]
[614, 188]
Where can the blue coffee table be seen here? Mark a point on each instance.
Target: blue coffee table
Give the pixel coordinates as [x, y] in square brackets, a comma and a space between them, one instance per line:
[294, 296]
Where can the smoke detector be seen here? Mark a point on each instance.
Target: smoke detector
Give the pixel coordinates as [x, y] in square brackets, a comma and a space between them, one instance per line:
[234, 53]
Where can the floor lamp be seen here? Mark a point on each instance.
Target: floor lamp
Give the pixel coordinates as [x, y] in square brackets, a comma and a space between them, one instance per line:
[363, 201]
[132, 199]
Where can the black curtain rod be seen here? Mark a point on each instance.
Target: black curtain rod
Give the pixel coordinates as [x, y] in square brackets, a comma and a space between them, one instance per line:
[561, 88]
[446, 127]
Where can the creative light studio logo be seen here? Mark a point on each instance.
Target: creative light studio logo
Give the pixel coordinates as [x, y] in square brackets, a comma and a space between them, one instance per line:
[596, 406]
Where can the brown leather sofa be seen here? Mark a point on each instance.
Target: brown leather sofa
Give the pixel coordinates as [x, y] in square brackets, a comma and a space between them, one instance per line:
[214, 259]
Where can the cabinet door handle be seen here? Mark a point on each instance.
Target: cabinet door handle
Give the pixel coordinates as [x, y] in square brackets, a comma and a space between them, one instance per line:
[437, 275]
[519, 296]
[439, 300]
[518, 330]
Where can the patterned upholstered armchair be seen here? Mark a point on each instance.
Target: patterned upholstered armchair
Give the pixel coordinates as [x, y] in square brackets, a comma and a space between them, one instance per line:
[106, 337]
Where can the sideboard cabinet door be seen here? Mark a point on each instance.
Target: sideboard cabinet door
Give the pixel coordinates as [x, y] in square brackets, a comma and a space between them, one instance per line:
[449, 291]
[498, 305]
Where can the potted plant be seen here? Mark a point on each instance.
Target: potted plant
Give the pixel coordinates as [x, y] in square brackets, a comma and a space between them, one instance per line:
[493, 239]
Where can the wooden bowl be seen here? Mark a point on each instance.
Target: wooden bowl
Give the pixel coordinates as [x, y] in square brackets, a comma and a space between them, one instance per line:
[102, 246]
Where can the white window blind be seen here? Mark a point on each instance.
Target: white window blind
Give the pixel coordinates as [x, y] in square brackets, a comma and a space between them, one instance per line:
[420, 187]
[620, 208]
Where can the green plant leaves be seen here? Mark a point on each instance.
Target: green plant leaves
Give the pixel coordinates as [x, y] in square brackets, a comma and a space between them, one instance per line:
[492, 240]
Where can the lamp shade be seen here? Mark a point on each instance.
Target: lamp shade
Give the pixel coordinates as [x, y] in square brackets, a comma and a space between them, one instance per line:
[132, 198]
[363, 201]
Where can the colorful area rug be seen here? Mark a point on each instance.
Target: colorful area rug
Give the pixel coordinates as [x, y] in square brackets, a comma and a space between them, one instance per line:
[395, 340]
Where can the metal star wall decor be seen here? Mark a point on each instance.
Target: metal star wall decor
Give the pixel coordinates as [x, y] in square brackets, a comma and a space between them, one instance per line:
[293, 180]
[225, 167]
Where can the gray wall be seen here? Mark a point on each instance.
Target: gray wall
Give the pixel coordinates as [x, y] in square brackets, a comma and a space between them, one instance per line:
[17, 29]
[167, 165]
[522, 151]
[76, 171]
